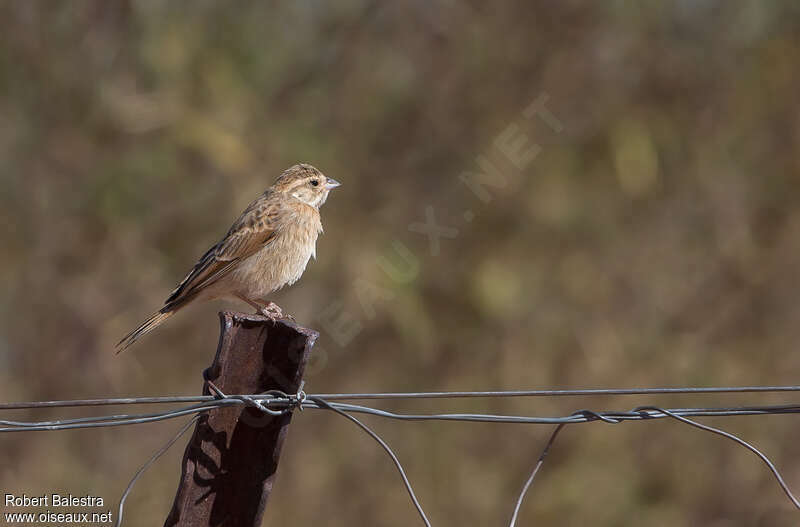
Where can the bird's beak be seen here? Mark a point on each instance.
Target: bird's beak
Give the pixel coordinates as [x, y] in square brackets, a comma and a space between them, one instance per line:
[332, 183]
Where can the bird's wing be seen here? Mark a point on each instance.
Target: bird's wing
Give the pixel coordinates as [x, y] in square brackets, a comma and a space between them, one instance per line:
[253, 230]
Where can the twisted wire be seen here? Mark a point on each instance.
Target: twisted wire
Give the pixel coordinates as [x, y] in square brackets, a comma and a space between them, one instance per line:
[277, 404]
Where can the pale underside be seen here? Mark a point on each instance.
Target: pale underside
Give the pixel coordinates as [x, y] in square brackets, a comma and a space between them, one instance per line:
[280, 262]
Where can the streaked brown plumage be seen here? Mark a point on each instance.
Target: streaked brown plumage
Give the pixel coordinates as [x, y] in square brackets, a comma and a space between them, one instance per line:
[267, 248]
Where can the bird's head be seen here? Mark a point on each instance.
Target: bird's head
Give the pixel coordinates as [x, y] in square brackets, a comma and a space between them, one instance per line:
[306, 183]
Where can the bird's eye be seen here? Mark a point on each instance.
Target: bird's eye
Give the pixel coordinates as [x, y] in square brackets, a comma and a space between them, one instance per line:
[314, 182]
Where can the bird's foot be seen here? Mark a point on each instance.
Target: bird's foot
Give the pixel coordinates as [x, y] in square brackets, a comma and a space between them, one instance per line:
[274, 312]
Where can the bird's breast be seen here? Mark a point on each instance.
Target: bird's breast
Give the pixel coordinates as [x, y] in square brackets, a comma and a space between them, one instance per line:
[283, 260]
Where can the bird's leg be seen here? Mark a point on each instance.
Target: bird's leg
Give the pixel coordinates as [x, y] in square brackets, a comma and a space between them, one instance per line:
[270, 310]
[255, 305]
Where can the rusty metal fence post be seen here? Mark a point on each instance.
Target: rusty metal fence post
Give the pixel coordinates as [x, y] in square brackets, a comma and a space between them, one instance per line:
[229, 465]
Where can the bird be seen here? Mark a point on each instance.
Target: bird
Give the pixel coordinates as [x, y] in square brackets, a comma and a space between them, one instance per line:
[267, 248]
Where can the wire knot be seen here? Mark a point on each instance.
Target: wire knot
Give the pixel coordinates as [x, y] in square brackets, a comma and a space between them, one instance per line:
[248, 400]
[300, 397]
[591, 415]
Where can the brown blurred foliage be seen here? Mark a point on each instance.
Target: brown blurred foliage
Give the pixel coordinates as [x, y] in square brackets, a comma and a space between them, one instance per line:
[650, 243]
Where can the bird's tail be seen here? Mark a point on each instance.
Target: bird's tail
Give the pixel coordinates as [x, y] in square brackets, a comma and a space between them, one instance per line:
[152, 322]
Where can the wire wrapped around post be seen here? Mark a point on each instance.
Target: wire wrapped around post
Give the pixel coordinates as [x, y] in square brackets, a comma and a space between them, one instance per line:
[230, 463]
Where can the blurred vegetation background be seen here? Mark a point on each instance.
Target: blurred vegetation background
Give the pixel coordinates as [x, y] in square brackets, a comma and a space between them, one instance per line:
[653, 242]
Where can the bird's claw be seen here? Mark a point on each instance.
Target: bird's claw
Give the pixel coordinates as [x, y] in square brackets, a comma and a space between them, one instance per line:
[274, 312]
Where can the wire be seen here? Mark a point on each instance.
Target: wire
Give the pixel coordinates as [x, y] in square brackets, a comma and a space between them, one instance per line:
[535, 471]
[149, 462]
[388, 450]
[412, 395]
[287, 402]
[732, 437]
[312, 402]
[560, 393]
